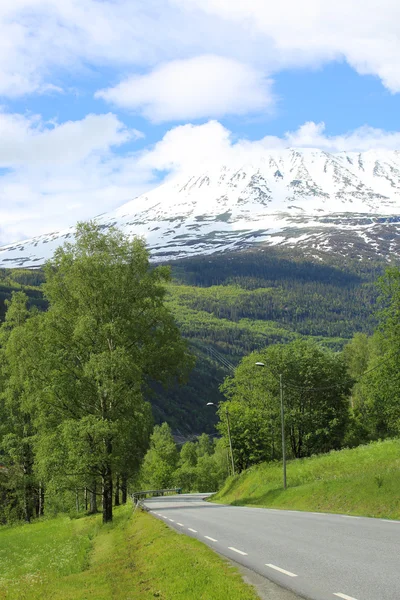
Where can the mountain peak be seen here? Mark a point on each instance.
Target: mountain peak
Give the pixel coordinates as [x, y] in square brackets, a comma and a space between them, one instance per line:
[306, 197]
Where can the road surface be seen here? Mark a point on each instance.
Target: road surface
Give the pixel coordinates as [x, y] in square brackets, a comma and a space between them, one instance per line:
[318, 556]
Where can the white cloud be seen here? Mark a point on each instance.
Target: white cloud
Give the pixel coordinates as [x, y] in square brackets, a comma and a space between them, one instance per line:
[204, 86]
[28, 141]
[311, 135]
[365, 33]
[40, 38]
[191, 147]
[56, 175]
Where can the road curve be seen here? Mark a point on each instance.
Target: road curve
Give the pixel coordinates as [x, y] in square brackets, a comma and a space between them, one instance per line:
[318, 556]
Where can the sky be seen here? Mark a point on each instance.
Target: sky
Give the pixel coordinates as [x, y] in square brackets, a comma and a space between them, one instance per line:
[100, 100]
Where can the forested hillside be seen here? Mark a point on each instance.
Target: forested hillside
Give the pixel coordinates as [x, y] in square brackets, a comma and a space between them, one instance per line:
[239, 302]
[16, 280]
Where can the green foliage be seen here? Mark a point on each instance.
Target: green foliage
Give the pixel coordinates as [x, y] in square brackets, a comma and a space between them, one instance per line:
[80, 371]
[316, 390]
[375, 362]
[21, 280]
[241, 302]
[200, 466]
[160, 460]
[212, 469]
[17, 432]
[311, 298]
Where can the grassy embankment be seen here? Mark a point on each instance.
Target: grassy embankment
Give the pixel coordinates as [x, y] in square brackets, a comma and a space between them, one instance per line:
[361, 481]
[136, 557]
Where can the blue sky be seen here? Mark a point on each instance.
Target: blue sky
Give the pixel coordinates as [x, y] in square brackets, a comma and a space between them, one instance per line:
[100, 99]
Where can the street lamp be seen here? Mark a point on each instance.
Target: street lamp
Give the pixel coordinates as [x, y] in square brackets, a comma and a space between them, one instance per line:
[261, 364]
[229, 433]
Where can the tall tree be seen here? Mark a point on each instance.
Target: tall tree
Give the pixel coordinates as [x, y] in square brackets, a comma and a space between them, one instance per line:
[107, 333]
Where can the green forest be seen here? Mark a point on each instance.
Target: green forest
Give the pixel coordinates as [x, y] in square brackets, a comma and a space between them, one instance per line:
[101, 345]
[237, 303]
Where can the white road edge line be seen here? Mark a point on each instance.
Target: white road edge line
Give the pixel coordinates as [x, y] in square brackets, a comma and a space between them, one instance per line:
[349, 517]
[180, 524]
[390, 521]
[172, 521]
[344, 596]
[281, 570]
[192, 530]
[238, 551]
[210, 538]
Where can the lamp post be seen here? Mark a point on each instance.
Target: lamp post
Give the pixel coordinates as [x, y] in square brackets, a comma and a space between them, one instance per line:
[261, 364]
[229, 433]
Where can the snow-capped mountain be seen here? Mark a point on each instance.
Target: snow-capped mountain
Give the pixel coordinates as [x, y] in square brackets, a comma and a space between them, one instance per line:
[345, 202]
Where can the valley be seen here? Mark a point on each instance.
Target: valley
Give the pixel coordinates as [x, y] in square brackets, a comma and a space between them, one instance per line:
[239, 302]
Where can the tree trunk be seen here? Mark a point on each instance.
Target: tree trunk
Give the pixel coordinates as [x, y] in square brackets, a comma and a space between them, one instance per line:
[77, 500]
[107, 494]
[116, 498]
[27, 492]
[27, 504]
[41, 500]
[86, 499]
[124, 488]
[93, 498]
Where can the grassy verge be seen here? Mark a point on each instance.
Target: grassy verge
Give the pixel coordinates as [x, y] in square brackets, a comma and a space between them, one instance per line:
[135, 558]
[361, 481]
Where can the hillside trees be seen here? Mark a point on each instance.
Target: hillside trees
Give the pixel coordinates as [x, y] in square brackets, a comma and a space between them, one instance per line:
[316, 390]
[105, 336]
[16, 425]
[377, 395]
[161, 460]
[200, 466]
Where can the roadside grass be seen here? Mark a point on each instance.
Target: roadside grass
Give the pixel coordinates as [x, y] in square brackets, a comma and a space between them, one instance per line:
[363, 481]
[32, 553]
[135, 557]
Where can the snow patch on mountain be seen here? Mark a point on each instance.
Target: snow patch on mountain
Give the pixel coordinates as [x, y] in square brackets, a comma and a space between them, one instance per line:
[345, 202]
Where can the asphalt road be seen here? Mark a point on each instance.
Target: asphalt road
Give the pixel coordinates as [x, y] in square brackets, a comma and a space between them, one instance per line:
[318, 556]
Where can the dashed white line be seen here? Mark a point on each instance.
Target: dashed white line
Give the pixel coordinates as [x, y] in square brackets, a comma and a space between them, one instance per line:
[172, 521]
[158, 515]
[180, 524]
[192, 530]
[238, 551]
[281, 570]
[210, 538]
[344, 596]
[349, 517]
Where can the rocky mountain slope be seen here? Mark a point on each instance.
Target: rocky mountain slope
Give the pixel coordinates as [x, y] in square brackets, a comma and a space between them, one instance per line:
[347, 203]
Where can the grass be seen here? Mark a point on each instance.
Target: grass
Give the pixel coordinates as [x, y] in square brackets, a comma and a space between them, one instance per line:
[361, 481]
[135, 557]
